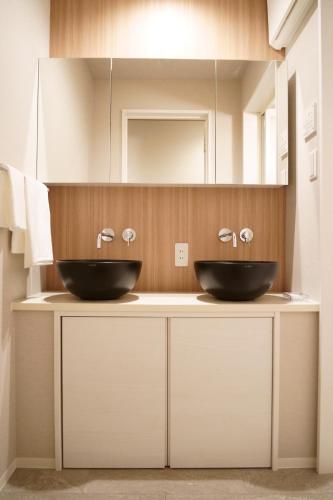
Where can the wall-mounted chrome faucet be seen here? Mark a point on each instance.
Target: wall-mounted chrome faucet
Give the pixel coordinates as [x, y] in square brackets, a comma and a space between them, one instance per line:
[226, 235]
[129, 235]
[246, 235]
[106, 234]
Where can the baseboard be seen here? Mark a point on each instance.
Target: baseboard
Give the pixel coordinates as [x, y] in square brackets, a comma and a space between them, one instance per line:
[298, 463]
[6, 475]
[35, 463]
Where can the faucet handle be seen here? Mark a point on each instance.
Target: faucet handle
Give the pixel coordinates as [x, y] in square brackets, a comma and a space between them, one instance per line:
[225, 234]
[106, 234]
[129, 235]
[246, 235]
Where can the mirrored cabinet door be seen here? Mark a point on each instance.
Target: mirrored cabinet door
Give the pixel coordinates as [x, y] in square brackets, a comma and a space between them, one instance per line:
[251, 123]
[163, 121]
[191, 122]
[74, 120]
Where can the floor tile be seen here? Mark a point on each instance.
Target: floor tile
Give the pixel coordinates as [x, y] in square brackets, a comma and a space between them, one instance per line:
[170, 484]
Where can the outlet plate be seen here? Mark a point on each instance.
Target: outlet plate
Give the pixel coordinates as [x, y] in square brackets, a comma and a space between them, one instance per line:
[181, 254]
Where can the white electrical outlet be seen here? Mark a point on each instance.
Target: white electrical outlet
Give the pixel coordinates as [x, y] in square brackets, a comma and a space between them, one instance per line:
[181, 254]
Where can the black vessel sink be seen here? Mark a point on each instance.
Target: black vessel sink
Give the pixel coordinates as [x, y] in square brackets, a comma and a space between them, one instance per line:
[235, 279]
[99, 279]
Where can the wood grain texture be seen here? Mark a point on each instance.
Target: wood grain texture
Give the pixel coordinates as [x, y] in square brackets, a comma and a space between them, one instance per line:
[214, 360]
[114, 416]
[195, 29]
[161, 217]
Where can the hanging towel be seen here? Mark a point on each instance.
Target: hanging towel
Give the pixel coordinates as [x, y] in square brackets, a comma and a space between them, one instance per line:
[38, 242]
[12, 209]
[5, 211]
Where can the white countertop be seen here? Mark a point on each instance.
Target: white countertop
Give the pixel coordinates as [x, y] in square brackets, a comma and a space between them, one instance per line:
[162, 303]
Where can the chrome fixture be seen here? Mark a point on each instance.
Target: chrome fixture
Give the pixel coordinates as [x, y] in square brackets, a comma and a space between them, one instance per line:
[246, 235]
[226, 235]
[106, 234]
[129, 235]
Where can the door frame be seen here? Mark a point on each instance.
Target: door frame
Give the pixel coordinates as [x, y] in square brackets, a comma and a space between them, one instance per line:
[170, 114]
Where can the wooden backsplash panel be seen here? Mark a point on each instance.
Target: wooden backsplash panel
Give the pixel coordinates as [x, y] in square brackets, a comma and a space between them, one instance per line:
[190, 29]
[161, 217]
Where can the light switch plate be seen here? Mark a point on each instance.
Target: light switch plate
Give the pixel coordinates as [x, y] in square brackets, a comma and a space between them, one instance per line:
[284, 144]
[313, 165]
[181, 254]
[310, 121]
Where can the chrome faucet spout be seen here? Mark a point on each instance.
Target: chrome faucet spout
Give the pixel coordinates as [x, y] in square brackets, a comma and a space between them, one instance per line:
[107, 234]
[225, 234]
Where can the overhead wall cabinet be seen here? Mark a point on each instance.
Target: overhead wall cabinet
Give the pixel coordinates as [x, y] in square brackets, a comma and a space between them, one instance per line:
[162, 122]
[74, 120]
[251, 123]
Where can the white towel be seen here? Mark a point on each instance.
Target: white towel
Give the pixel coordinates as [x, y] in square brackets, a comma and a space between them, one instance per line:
[38, 242]
[12, 209]
[5, 211]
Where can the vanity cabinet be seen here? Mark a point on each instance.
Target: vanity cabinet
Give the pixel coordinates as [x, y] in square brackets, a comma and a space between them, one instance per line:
[114, 392]
[220, 392]
[131, 378]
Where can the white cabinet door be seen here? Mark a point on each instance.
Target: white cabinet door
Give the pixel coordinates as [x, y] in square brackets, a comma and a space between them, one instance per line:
[114, 392]
[220, 392]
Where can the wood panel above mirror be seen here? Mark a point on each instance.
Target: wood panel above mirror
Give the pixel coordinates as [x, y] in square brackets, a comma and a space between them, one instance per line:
[162, 122]
[189, 29]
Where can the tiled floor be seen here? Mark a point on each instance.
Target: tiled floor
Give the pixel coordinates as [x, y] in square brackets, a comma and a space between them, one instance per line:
[224, 484]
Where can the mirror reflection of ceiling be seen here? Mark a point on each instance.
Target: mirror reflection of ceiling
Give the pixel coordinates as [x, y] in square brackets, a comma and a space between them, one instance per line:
[160, 69]
[257, 80]
[231, 70]
[99, 68]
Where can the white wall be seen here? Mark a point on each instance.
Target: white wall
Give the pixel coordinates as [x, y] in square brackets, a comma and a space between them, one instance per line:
[24, 36]
[325, 436]
[303, 223]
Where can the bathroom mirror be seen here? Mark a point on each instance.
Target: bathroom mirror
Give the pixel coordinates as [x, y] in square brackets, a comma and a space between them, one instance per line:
[251, 122]
[160, 121]
[74, 120]
[163, 121]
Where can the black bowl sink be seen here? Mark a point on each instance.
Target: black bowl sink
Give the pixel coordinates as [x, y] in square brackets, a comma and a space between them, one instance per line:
[99, 279]
[235, 279]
